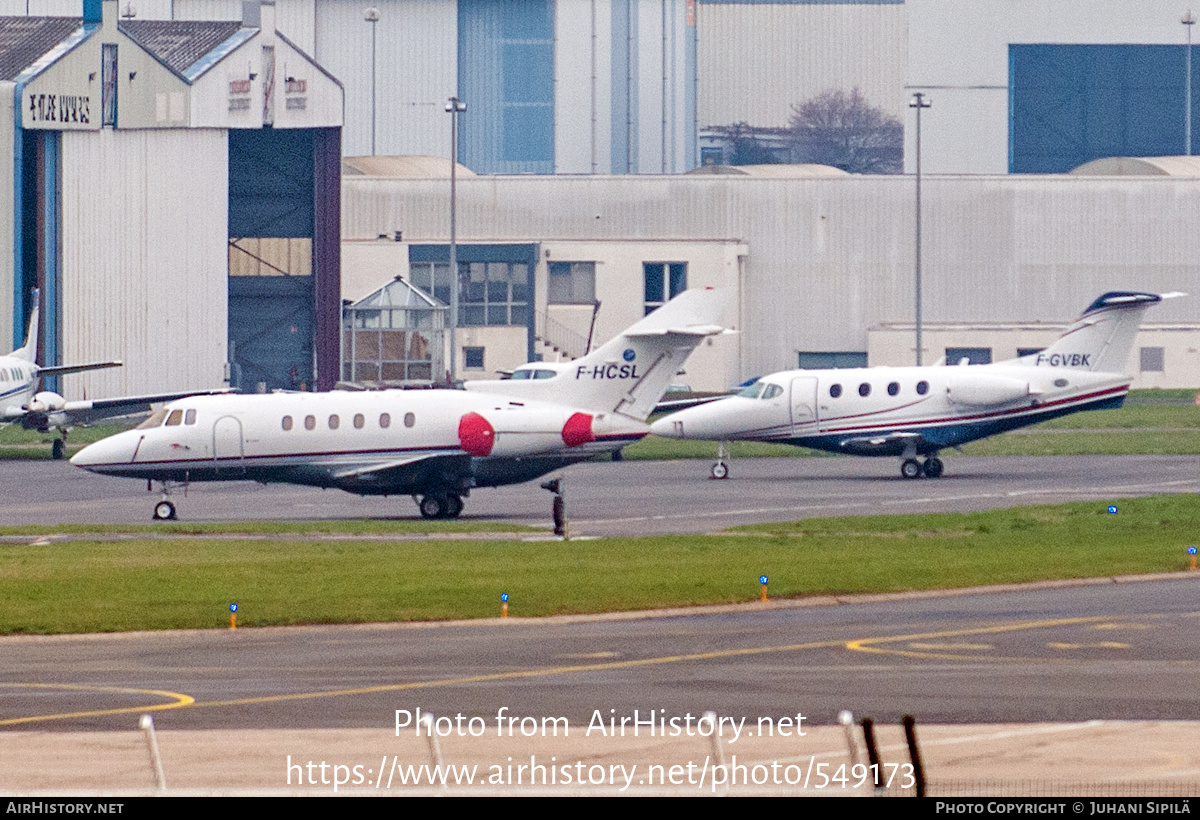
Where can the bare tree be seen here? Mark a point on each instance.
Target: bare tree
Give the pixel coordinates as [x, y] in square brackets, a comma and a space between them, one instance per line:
[748, 144]
[845, 131]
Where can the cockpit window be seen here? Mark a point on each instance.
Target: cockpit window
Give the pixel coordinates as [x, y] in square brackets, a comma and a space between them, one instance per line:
[522, 374]
[155, 419]
[753, 391]
[190, 416]
[175, 419]
[544, 374]
[772, 391]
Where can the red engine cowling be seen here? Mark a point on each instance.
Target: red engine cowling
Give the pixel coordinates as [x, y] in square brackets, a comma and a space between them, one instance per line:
[522, 431]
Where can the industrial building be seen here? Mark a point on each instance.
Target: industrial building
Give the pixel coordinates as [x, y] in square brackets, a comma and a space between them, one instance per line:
[823, 264]
[174, 191]
[582, 118]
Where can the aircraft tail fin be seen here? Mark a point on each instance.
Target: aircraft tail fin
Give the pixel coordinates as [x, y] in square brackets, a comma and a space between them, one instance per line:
[28, 351]
[1100, 339]
[629, 373]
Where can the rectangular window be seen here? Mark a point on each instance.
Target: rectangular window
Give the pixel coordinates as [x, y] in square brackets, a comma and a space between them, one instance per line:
[664, 281]
[973, 355]
[489, 293]
[473, 358]
[1152, 360]
[572, 283]
[836, 359]
[108, 84]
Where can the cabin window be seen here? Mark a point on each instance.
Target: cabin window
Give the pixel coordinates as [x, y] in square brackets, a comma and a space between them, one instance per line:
[359, 421]
[334, 422]
[409, 419]
[154, 420]
[287, 422]
[835, 390]
[175, 419]
[893, 388]
[310, 422]
[922, 388]
[190, 416]
[385, 420]
[864, 390]
[1060, 382]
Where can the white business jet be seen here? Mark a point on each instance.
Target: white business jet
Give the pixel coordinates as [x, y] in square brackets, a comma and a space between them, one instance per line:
[435, 445]
[22, 403]
[917, 411]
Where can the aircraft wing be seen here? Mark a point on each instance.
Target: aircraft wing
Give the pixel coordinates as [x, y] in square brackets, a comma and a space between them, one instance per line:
[60, 370]
[884, 444]
[671, 405]
[373, 470]
[87, 411]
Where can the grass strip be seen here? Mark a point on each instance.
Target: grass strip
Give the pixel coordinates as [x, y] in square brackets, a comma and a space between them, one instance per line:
[172, 584]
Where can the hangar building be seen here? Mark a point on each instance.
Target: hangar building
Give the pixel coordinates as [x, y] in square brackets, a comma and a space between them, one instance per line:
[174, 191]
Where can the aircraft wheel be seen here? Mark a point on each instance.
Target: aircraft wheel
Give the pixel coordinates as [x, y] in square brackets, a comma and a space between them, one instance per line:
[58, 449]
[454, 506]
[911, 468]
[432, 506]
[933, 467]
[164, 511]
[719, 470]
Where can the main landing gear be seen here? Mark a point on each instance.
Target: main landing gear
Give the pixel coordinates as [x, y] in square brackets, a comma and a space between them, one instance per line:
[440, 505]
[58, 449]
[932, 468]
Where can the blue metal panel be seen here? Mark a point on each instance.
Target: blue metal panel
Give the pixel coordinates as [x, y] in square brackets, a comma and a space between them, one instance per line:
[506, 77]
[624, 114]
[49, 250]
[1071, 104]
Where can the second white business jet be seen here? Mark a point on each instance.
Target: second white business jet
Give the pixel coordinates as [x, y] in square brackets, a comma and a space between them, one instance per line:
[435, 445]
[917, 411]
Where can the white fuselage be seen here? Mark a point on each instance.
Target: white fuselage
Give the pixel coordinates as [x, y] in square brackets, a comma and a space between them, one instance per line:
[376, 442]
[883, 410]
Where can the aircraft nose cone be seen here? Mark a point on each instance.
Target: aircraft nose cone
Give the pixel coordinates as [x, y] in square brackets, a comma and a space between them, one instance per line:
[114, 450]
[668, 427]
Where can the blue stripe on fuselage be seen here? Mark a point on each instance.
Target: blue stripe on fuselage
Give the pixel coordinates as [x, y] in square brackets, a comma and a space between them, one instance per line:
[938, 436]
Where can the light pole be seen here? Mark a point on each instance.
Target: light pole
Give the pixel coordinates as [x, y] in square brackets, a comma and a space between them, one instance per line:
[371, 15]
[918, 102]
[454, 107]
[1188, 21]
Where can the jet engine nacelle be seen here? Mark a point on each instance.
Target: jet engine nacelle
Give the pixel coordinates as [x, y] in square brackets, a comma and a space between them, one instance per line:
[523, 431]
[983, 389]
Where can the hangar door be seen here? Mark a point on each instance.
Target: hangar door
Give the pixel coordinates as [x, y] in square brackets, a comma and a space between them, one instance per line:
[283, 269]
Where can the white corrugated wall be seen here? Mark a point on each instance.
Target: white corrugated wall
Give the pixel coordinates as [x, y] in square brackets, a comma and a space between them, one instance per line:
[757, 61]
[144, 259]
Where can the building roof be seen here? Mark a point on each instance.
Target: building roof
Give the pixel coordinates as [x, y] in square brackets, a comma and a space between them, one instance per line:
[180, 44]
[772, 171]
[1140, 167]
[417, 166]
[24, 39]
